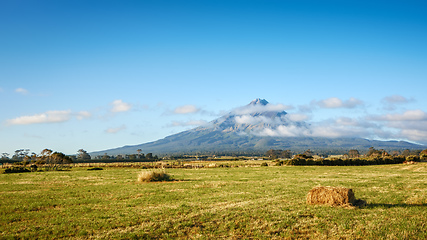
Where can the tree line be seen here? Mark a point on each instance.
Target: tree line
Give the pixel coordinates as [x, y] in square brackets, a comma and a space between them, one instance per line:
[49, 157]
[352, 158]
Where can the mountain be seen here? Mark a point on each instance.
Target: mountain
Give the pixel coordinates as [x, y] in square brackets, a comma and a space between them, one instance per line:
[256, 127]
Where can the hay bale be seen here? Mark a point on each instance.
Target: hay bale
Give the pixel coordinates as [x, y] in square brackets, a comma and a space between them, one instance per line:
[153, 176]
[332, 196]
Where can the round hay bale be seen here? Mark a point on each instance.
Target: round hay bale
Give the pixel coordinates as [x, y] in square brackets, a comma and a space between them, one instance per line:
[332, 196]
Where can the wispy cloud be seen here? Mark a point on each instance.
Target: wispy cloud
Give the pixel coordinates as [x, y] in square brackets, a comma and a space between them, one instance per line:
[115, 130]
[120, 106]
[297, 117]
[188, 123]
[390, 102]
[410, 115]
[46, 117]
[331, 103]
[396, 99]
[83, 115]
[49, 117]
[249, 109]
[186, 109]
[411, 124]
[21, 91]
[338, 103]
[341, 127]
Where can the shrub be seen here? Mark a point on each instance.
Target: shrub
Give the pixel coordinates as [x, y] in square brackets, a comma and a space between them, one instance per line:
[264, 164]
[412, 158]
[153, 176]
[279, 163]
[94, 169]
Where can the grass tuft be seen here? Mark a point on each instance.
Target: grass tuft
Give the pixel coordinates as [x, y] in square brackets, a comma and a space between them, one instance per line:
[153, 176]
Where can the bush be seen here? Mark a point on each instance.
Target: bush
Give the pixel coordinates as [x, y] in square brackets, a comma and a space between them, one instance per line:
[264, 164]
[352, 162]
[412, 158]
[16, 170]
[279, 162]
[153, 176]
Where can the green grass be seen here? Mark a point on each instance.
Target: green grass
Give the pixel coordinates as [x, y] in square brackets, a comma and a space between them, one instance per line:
[209, 203]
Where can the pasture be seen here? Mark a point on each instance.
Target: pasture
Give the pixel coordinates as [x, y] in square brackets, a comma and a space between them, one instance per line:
[245, 202]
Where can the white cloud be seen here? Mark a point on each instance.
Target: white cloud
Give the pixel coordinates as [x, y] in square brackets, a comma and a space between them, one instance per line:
[47, 117]
[297, 117]
[120, 106]
[338, 103]
[186, 109]
[410, 115]
[289, 127]
[188, 123]
[417, 125]
[249, 109]
[284, 131]
[332, 131]
[414, 135]
[252, 120]
[391, 102]
[21, 91]
[346, 121]
[396, 99]
[316, 130]
[411, 124]
[115, 130]
[248, 119]
[83, 115]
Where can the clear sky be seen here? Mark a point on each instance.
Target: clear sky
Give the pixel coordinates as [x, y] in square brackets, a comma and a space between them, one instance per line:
[104, 74]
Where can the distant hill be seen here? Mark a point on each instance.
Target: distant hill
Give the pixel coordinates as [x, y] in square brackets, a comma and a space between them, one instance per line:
[244, 130]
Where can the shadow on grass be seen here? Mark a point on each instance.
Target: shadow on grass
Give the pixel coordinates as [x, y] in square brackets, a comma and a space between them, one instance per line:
[388, 205]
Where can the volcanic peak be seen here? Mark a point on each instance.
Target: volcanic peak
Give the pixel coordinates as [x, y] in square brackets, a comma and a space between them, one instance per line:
[259, 101]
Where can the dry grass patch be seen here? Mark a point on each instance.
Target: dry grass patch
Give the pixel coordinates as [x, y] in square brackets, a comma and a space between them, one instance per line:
[153, 176]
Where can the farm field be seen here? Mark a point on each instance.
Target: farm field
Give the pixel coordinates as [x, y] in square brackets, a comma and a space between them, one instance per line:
[210, 203]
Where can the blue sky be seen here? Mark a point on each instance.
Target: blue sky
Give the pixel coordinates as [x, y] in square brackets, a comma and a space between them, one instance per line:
[103, 74]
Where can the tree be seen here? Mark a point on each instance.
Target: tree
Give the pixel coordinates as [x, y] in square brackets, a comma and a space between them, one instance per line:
[353, 153]
[5, 156]
[19, 155]
[53, 160]
[286, 154]
[58, 159]
[373, 152]
[406, 152]
[274, 154]
[395, 153]
[308, 153]
[82, 155]
[423, 154]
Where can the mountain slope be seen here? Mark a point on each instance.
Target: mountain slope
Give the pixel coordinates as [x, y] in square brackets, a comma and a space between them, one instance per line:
[249, 128]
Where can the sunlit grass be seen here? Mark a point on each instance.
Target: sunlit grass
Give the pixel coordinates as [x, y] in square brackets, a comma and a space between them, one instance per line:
[206, 203]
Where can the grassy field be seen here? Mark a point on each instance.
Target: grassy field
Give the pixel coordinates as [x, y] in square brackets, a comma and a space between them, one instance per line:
[211, 203]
